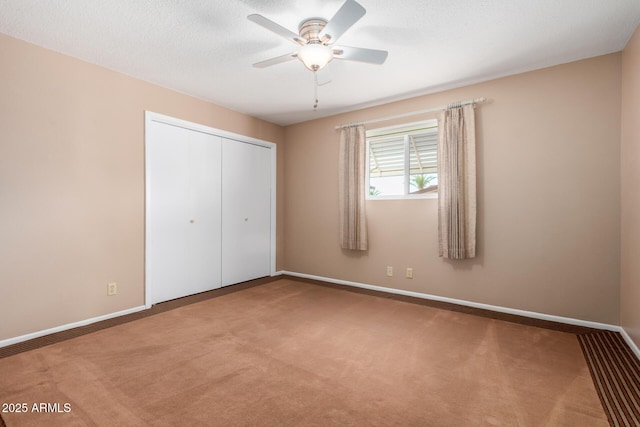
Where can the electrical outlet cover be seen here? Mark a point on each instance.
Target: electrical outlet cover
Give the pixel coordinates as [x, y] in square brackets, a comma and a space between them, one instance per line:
[112, 289]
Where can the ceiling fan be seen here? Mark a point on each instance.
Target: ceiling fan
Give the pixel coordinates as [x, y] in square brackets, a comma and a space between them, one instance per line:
[316, 39]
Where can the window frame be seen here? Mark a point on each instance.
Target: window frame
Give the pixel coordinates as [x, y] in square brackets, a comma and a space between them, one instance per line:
[408, 129]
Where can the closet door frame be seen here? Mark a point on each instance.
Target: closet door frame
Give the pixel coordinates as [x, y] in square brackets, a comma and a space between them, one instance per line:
[151, 117]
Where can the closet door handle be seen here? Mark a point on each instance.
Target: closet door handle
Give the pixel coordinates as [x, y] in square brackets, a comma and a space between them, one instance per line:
[246, 219]
[192, 221]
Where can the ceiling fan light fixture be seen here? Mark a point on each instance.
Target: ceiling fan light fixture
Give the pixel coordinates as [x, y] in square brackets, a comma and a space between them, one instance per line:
[315, 56]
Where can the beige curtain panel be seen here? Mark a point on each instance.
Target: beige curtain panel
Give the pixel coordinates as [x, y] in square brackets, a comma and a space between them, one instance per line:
[353, 220]
[457, 183]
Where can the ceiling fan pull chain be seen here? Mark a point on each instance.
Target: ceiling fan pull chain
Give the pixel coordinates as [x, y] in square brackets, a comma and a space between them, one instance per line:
[315, 90]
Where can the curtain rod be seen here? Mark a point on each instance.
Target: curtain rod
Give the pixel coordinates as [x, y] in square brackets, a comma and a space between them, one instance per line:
[412, 113]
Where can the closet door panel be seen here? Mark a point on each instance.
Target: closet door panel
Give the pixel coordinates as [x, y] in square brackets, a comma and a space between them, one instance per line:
[246, 212]
[205, 212]
[183, 230]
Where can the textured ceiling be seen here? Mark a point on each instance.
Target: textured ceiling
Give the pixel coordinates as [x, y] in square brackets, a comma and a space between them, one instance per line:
[206, 48]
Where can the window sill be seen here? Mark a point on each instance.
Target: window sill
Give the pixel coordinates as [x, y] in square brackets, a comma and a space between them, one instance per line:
[403, 197]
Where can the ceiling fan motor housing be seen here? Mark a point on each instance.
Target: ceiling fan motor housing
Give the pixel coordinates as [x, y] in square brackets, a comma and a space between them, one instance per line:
[310, 29]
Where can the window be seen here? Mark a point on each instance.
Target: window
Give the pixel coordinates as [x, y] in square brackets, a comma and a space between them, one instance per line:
[402, 161]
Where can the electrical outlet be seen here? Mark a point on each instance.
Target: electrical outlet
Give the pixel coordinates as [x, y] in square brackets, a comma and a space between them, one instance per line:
[112, 289]
[389, 271]
[409, 273]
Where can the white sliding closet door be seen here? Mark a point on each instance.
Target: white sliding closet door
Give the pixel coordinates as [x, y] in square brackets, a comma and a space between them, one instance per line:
[183, 211]
[246, 211]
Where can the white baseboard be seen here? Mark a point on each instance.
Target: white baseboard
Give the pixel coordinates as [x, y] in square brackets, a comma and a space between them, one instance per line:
[531, 314]
[630, 342]
[38, 334]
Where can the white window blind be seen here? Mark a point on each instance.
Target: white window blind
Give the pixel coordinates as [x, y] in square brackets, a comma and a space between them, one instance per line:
[403, 160]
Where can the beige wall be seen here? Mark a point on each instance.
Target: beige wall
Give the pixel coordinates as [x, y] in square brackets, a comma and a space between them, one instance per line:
[630, 283]
[72, 184]
[548, 192]
[72, 192]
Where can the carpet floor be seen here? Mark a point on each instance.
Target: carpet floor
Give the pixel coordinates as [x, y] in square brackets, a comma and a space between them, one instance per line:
[289, 353]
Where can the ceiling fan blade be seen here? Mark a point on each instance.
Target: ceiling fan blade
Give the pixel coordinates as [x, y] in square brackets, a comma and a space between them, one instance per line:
[276, 28]
[360, 54]
[345, 17]
[277, 60]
